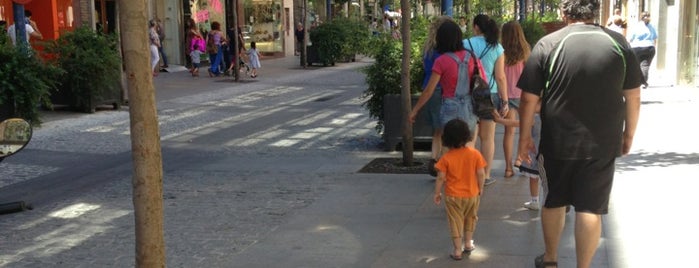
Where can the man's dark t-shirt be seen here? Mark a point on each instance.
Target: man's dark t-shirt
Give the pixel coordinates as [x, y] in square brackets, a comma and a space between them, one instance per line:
[581, 71]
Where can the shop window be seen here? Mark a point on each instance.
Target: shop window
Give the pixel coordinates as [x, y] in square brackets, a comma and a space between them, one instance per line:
[264, 24]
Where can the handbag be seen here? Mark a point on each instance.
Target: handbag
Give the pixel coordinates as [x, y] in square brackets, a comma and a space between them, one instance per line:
[211, 47]
[483, 105]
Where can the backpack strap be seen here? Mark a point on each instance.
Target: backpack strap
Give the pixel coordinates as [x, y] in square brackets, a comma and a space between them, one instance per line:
[483, 53]
[463, 84]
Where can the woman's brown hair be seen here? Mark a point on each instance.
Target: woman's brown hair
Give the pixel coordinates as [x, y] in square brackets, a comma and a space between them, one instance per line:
[515, 45]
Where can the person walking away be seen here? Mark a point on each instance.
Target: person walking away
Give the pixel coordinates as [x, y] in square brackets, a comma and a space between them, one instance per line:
[453, 71]
[195, 54]
[254, 59]
[516, 52]
[430, 54]
[161, 34]
[485, 45]
[215, 40]
[30, 28]
[154, 45]
[461, 174]
[643, 40]
[587, 79]
[528, 169]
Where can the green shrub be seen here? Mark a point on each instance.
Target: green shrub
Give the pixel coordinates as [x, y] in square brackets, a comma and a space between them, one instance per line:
[92, 64]
[533, 31]
[339, 39]
[25, 82]
[384, 76]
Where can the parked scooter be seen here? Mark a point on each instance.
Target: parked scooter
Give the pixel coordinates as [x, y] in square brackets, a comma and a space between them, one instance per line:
[15, 134]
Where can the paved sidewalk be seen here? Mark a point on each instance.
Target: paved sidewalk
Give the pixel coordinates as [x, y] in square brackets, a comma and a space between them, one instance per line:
[299, 206]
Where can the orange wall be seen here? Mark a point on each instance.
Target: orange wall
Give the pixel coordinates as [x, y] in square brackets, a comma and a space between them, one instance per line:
[51, 16]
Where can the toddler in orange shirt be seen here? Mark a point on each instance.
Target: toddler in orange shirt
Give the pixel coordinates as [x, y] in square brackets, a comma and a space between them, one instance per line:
[461, 172]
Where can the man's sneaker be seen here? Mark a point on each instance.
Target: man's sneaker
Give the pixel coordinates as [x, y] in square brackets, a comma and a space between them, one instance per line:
[430, 167]
[489, 181]
[533, 205]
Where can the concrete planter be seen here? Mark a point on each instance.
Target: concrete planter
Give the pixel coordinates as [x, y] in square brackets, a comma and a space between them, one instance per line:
[392, 116]
[7, 110]
[550, 27]
[88, 104]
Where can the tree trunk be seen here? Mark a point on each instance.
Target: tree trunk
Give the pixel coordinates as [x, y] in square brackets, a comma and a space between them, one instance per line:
[405, 85]
[236, 42]
[145, 137]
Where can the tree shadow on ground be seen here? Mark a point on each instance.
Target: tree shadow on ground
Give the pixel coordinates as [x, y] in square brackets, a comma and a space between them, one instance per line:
[633, 162]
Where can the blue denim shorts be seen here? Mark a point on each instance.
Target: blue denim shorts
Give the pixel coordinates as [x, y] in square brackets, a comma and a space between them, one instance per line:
[434, 105]
[512, 103]
[461, 108]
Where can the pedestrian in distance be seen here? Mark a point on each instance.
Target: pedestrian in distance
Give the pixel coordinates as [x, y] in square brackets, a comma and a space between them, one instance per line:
[461, 174]
[254, 59]
[154, 45]
[161, 34]
[456, 97]
[31, 30]
[216, 39]
[299, 33]
[588, 81]
[192, 33]
[516, 52]
[643, 38]
[485, 46]
[430, 54]
[195, 54]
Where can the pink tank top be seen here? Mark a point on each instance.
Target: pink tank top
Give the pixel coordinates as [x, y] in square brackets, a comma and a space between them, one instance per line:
[512, 73]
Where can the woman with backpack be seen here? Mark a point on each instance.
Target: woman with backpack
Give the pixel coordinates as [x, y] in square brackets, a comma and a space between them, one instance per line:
[484, 44]
[456, 101]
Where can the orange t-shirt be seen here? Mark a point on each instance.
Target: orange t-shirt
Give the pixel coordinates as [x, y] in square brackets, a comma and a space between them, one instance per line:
[460, 166]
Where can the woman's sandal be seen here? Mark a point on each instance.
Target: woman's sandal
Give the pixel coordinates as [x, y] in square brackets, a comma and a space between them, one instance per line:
[509, 173]
[540, 263]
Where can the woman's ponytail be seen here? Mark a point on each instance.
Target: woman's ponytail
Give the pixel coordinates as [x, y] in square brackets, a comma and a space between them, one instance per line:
[488, 27]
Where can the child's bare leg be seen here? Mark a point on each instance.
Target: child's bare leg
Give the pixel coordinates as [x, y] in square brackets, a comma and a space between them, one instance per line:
[534, 187]
[468, 241]
[457, 241]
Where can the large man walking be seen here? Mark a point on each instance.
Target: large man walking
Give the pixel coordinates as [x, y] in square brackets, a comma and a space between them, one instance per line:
[587, 79]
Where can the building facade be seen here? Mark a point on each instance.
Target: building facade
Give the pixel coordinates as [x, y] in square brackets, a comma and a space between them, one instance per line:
[677, 50]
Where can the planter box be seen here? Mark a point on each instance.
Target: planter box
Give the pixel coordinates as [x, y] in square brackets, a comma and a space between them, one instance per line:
[313, 57]
[550, 27]
[113, 97]
[7, 110]
[392, 116]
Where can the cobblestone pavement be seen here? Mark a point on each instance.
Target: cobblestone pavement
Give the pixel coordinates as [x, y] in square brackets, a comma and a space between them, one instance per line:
[233, 171]
[263, 174]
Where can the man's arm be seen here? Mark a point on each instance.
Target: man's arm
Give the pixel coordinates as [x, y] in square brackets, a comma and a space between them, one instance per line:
[527, 108]
[35, 31]
[632, 99]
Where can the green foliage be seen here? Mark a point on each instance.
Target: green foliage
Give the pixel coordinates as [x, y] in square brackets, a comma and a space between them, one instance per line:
[533, 31]
[384, 76]
[550, 16]
[92, 64]
[25, 81]
[339, 39]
